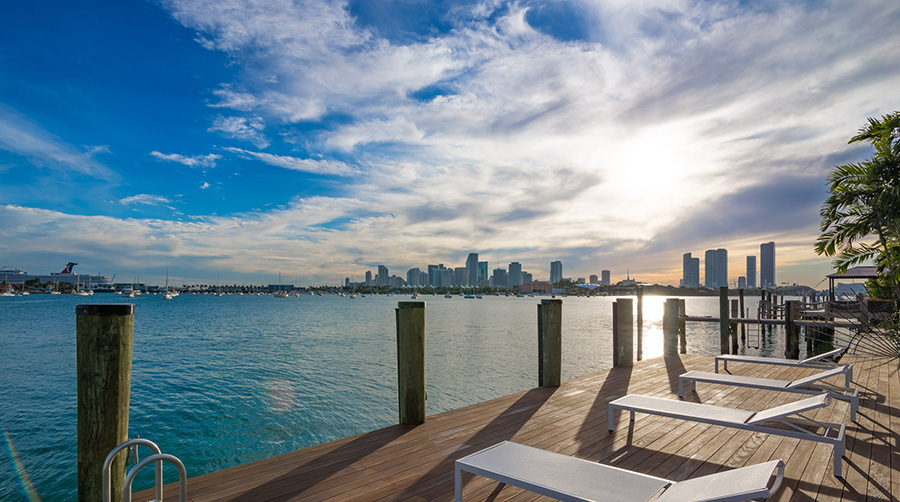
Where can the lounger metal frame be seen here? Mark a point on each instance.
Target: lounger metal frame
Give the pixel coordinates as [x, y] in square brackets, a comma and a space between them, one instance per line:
[833, 433]
[554, 474]
[816, 362]
[810, 385]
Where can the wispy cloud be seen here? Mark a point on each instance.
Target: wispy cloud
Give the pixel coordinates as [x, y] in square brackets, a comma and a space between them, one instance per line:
[329, 167]
[208, 160]
[21, 136]
[146, 199]
[243, 128]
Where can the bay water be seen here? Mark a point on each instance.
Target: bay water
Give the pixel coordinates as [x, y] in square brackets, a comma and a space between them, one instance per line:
[222, 381]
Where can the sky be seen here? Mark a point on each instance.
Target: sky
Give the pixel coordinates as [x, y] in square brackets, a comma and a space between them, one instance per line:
[232, 140]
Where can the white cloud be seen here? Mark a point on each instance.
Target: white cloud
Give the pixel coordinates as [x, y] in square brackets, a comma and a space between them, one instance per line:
[204, 186]
[243, 128]
[21, 136]
[208, 160]
[326, 167]
[145, 199]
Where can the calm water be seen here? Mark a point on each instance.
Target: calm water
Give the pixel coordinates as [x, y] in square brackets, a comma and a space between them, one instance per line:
[221, 381]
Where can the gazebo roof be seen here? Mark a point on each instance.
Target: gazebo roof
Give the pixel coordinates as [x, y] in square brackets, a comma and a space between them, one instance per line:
[856, 273]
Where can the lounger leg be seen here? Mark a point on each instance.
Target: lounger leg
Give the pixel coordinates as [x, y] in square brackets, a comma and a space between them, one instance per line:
[717, 365]
[680, 387]
[838, 453]
[458, 485]
[612, 416]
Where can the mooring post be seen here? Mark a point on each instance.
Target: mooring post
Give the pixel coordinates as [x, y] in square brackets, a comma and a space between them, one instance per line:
[103, 344]
[682, 326]
[732, 328]
[550, 343]
[744, 315]
[640, 322]
[625, 328]
[723, 319]
[411, 361]
[615, 333]
[670, 327]
[792, 337]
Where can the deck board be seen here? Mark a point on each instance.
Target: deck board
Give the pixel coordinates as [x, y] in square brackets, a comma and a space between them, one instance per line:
[416, 463]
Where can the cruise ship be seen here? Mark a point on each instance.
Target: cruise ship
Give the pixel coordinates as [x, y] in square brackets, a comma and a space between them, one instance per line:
[17, 276]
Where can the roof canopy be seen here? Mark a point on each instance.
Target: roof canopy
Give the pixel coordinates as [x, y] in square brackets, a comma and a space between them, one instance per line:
[856, 273]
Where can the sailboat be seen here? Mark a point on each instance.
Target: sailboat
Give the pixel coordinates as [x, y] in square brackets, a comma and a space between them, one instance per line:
[279, 293]
[167, 295]
[78, 291]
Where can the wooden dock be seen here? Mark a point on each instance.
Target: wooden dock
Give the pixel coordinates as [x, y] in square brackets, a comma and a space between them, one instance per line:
[416, 463]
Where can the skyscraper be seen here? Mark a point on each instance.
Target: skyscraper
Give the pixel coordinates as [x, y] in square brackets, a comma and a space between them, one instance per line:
[460, 276]
[412, 277]
[593, 279]
[482, 272]
[384, 277]
[709, 268]
[721, 267]
[499, 278]
[515, 274]
[471, 270]
[556, 273]
[604, 277]
[751, 272]
[767, 265]
[690, 271]
[368, 277]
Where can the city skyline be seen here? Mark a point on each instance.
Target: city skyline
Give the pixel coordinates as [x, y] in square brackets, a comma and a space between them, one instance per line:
[233, 141]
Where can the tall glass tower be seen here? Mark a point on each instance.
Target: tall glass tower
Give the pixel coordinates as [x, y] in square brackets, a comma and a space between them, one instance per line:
[767, 265]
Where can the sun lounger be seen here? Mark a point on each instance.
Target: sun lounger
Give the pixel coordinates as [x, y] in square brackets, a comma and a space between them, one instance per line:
[571, 479]
[812, 384]
[786, 414]
[817, 362]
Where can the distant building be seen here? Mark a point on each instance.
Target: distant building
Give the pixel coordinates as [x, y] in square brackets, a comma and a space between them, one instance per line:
[751, 272]
[742, 282]
[515, 274]
[536, 287]
[471, 270]
[556, 272]
[716, 267]
[368, 277]
[767, 265]
[594, 280]
[604, 274]
[482, 272]
[690, 271]
[500, 279]
[527, 277]
[384, 277]
[461, 276]
[435, 274]
[580, 280]
[412, 277]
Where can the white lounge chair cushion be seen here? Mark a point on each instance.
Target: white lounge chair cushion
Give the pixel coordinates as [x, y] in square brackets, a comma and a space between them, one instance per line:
[740, 484]
[691, 411]
[546, 472]
[786, 410]
[726, 378]
[822, 375]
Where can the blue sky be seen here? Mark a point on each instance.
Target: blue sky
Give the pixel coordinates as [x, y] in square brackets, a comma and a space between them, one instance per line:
[229, 140]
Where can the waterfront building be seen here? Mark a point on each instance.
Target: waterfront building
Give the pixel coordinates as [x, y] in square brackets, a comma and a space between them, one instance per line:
[461, 276]
[515, 274]
[499, 278]
[384, 276]
[594, 280]
[751, 272]
[767, 265]
[721, 267]
[483, 272]
[368, 277]
[690, 271]
[742, 282]
[604, 275]
[709, 268]
[435, 274]
[446, 277]
[412, 277]
[471, 270]
[527, 277]
[536, 287]
[556, 273]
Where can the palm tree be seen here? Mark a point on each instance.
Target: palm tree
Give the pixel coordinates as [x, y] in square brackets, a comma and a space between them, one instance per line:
[865, 202]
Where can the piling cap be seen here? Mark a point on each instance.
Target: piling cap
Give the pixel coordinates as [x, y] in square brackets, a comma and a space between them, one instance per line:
[106, 309]
[411, 305]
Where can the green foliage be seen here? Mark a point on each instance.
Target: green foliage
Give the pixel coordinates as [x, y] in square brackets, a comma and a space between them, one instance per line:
[860, 220]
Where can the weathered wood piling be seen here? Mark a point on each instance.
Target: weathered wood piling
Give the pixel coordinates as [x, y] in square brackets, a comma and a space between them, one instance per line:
[411, 361]
[549, 343]
[103, 339]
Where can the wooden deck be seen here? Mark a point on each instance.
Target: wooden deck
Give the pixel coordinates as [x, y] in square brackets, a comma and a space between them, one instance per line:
[416, 463]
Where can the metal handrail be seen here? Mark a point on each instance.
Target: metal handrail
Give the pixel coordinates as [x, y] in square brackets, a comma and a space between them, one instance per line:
[159, 457]
[107, 466]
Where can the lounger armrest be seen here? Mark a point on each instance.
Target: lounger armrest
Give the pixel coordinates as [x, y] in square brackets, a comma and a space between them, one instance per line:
[835, 352]
[750, 482]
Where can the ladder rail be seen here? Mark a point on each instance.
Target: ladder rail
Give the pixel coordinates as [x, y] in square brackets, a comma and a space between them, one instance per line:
[107, 466]
[158, 458]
